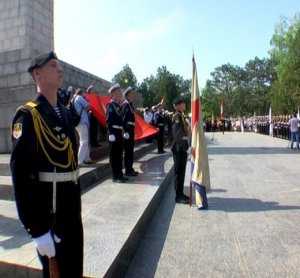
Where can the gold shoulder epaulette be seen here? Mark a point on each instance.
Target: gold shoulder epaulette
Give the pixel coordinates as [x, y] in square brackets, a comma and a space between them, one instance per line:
[28, 106]
[175, 117]
[31, 104]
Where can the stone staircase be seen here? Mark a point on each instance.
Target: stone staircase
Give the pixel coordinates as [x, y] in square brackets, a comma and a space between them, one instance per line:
[115, 216]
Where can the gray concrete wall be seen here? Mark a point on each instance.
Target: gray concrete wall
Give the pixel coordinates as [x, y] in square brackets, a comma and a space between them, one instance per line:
[81, 79]
[19, 89]
[26, 30]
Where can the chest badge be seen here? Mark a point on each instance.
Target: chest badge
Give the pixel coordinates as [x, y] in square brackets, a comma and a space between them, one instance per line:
[17, 130]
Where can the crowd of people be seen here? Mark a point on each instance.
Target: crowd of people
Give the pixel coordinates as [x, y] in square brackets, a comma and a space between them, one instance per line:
[89, 129]
[281, 126]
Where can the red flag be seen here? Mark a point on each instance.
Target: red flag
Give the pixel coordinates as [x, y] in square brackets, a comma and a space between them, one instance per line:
[98, 106]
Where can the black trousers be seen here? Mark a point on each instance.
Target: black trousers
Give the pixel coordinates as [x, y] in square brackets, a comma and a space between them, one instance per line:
[129, 153]
[69, 253]
[116, 158]
[94, 126]
[160, 140]
[180, 159]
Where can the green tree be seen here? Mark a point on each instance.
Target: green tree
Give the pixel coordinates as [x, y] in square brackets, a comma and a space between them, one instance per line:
[125, 77]
[227, 84]
[243, 90]
[148, 91]
[260, 76]
[164, 85]
[285, 51]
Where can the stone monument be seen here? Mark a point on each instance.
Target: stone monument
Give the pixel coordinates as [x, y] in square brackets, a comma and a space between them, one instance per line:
[26, 30]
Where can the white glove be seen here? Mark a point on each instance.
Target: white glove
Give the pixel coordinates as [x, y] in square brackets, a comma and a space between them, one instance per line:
[126, 135]
[45, 245]
[111, 138]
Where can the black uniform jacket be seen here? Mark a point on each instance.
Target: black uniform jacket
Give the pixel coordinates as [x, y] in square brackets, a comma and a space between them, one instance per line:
[114, 120]
[159, 120]
[128, 118]
[47, 149]
[180, 133]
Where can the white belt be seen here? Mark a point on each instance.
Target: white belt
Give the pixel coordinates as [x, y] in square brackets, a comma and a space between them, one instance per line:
[161, 124]
[131, 123]
[185, 138]
[58, 177]
[117, 127]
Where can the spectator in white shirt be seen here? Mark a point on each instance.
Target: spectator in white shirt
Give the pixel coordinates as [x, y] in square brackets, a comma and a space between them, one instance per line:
[82, 107]
[294, 129]
[148, 116]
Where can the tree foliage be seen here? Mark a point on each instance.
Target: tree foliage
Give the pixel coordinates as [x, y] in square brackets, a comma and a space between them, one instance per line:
[285, 51]
[125, 77]
[164, 85]
[243, 90]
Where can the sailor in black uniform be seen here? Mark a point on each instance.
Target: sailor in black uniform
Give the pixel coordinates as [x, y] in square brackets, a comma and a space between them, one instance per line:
[129, 126]
[44, 172]
[116, 135]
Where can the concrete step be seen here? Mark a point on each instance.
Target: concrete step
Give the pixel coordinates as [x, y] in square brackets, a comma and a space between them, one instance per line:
[4, 164]
[115, 217]
[89, 175]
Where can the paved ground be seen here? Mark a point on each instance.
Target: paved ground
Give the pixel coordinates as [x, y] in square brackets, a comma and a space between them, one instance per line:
[110, 212]
[252, 227]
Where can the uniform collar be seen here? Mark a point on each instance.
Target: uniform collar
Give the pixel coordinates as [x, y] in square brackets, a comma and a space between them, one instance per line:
[114, 102]
[42, 99]
[49, 109]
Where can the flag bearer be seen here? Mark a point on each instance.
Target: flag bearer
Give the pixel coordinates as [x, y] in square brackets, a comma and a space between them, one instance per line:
[181, 133]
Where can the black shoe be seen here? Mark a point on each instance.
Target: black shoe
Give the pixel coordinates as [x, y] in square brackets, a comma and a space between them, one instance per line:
[203, 208]
[124, 178]
[181, 200]
[87, 162]
[160, 152]
[185, 197]
[120, 180]
[132, 174]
